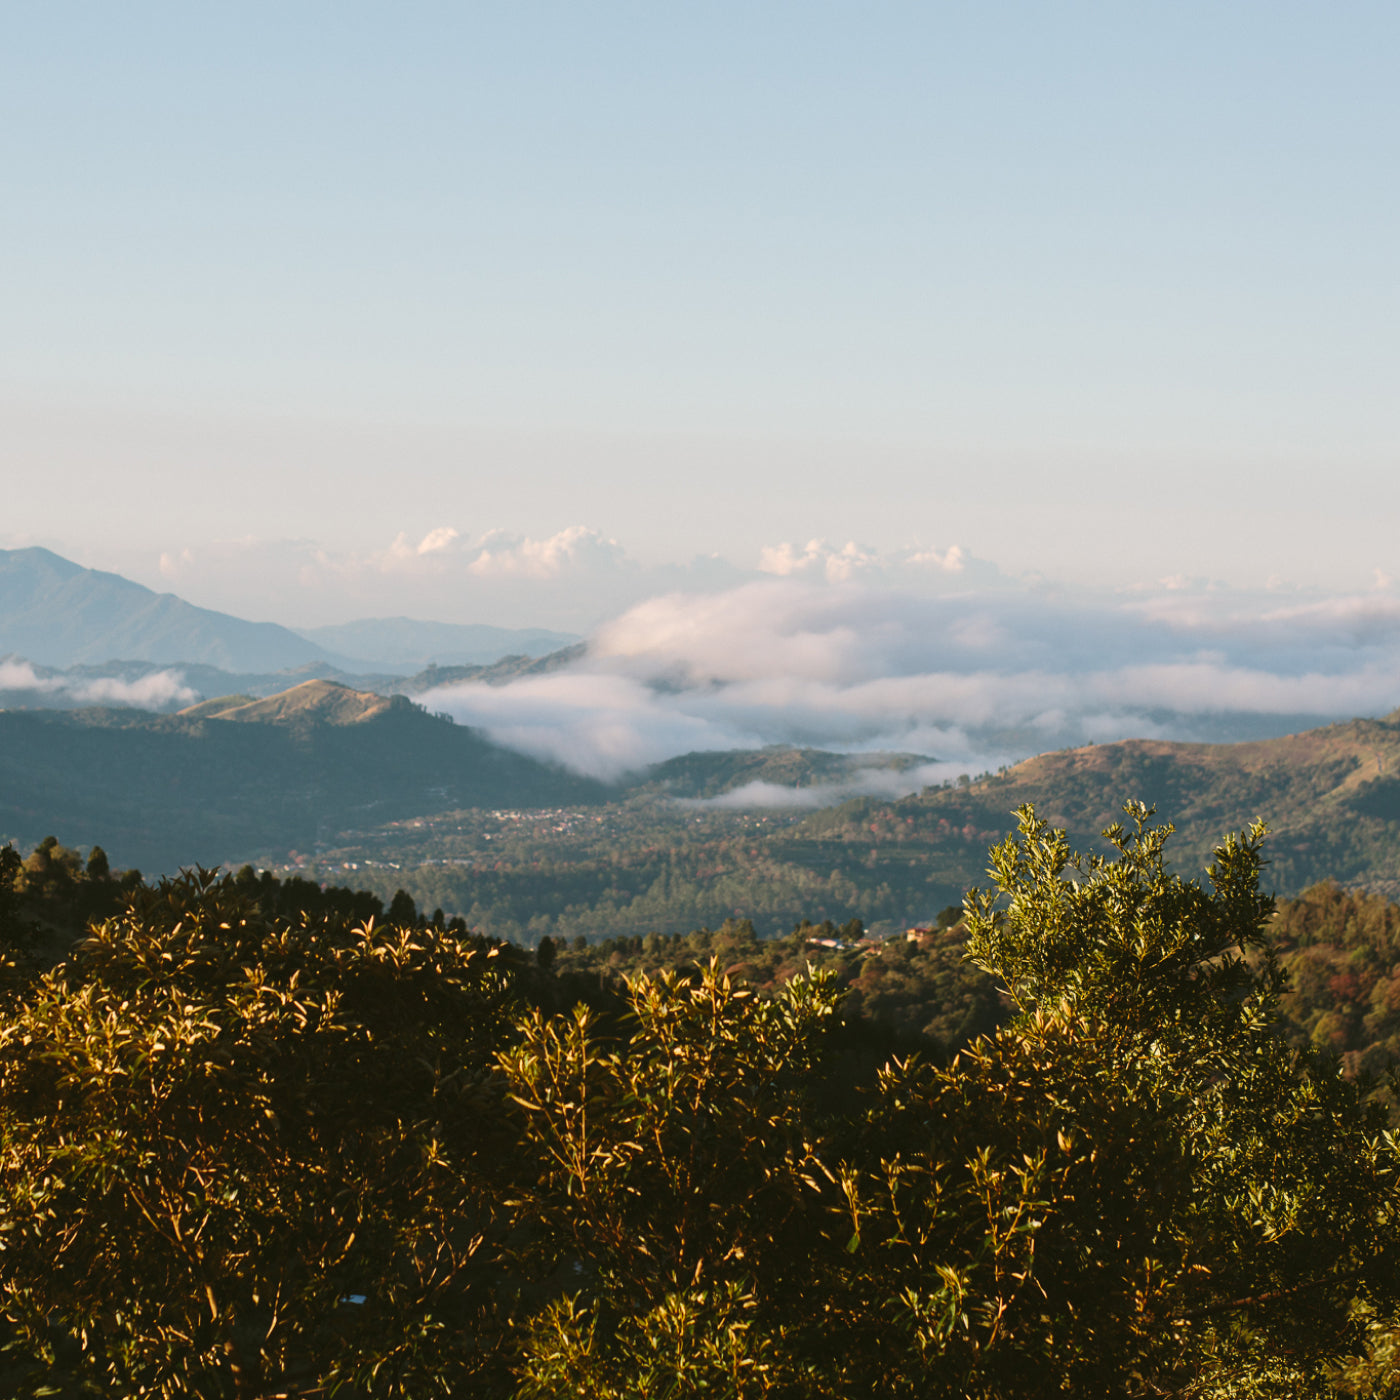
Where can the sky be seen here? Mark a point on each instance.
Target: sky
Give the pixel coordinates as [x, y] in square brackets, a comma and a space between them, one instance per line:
[312, 309]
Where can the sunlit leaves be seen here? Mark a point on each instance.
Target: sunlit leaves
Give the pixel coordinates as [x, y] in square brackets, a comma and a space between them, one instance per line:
[218, 1125]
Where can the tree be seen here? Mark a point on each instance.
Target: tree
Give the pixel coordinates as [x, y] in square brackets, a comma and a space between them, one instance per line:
[241, 1151]
[16, 933]
[1136, 1187]
[671, 1198]
[402, 910]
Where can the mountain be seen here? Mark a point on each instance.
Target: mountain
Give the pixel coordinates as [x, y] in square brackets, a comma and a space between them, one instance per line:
[57, 613]
[1331, 797]
[238, 777]
[710, 775]
[404, 642]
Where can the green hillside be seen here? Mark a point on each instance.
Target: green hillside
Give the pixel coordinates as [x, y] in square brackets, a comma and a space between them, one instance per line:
[647, 863]
[706, 775]
[1331, 797]
[161, 791]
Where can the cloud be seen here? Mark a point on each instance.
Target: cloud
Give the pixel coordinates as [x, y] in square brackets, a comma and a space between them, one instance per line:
[974, 678]
[819, 558]
[888, 783]
[172, 565]
[922, 650]
[158, 690]
[914, 567]
[577, 549]
[595, 723]
[436, 540]
[20, 675]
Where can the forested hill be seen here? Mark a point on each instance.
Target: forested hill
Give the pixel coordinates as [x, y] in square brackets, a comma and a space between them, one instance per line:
[161, 791]
[1331, 797]
[709, 775]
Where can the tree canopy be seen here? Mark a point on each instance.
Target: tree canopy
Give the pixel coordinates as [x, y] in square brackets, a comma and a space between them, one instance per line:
[251, 1149]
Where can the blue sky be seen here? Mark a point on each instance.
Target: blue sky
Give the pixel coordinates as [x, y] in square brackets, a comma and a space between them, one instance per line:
[1107, 292]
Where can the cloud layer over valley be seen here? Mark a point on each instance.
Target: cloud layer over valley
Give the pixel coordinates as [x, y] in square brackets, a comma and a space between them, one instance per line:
[974, 678]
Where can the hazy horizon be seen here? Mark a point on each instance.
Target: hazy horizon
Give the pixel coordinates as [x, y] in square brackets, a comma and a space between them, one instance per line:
[936, 654]
[1052, 350]
[1103, 295]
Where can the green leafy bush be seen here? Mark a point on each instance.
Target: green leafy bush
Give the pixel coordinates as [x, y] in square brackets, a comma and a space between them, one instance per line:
[219, 1127]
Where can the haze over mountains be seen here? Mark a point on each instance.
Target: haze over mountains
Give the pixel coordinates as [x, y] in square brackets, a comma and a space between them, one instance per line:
[977, 679]
[866, 704]
[57, 614]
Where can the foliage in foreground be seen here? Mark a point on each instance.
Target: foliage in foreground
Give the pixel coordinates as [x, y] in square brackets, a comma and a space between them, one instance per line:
[218, 1128]
[221, 1124]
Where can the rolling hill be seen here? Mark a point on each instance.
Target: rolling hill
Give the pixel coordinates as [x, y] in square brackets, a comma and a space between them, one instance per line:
[705, 776]
[1331, 797]
[646, 862]
[346, 776]
[241, 774]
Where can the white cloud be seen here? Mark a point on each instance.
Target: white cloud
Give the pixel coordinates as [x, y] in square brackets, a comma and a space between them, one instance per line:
[571, 579]
[574, 578]
[20, 675]
[504, 555]
[155, 691]
[975, 678]
[888, 783]
[598, 724]
[436, 540]
[914, 567]
[173, 564]
[818, 558]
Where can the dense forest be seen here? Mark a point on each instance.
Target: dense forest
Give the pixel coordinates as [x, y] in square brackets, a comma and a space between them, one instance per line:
[1097, 1131]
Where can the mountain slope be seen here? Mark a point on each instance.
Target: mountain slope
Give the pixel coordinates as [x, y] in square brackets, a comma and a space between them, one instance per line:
[1331, 797]
[58, 613]
[227, 780]
[711, 775]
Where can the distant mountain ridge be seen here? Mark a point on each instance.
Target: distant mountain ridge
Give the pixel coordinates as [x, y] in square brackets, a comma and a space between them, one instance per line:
[403, 641]
[165, 689]
[56, 613]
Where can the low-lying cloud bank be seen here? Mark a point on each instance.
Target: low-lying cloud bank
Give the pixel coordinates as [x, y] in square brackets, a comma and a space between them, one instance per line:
[974, 679]
[156, 691]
